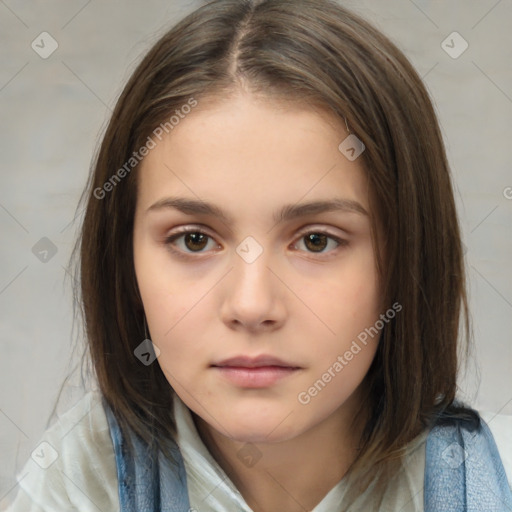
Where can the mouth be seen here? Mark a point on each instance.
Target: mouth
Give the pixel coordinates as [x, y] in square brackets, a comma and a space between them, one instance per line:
[255, 372]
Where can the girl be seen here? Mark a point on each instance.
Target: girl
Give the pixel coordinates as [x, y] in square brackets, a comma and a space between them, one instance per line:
[272, 284]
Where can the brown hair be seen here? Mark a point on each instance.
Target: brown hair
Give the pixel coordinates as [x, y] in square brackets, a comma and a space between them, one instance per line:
[314, 52]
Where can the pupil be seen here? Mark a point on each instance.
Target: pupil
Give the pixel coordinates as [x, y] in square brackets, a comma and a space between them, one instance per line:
[318, 242]
[195, 241]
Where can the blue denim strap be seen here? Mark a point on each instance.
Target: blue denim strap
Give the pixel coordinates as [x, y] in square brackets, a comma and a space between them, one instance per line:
[464, 472]
[148, 482]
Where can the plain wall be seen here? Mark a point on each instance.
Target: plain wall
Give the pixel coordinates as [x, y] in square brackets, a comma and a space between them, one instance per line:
[53, 112]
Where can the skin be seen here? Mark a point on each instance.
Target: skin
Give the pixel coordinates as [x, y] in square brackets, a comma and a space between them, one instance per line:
[251, 156]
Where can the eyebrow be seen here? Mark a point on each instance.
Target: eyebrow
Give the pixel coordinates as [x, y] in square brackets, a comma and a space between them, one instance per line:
[287, 213]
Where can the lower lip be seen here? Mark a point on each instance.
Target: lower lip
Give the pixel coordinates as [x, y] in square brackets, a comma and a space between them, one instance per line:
[260, 377]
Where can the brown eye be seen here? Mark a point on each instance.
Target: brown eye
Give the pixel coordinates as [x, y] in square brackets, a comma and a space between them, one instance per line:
[316, 242]
[320, 243]
[188, 242]
[196, 241]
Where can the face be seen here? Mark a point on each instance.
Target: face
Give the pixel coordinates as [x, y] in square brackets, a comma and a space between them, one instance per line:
[255, 264]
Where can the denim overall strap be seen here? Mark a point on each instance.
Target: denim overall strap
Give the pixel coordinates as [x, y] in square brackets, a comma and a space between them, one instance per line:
[464, 472]
[147, 482]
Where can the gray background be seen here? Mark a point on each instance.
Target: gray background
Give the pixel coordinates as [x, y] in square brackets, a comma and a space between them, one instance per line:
[53, 112]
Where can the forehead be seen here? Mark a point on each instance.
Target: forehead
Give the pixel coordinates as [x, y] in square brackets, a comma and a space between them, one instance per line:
[243, 150]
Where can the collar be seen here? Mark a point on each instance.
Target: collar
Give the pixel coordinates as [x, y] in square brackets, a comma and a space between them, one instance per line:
[210, 489]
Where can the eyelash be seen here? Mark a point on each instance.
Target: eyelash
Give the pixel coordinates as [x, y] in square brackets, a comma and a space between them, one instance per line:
[169, 241]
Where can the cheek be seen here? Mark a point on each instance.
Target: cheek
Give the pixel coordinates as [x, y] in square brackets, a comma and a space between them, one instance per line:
[159, 292]
[347, 308]
[177, 313]
[346, 301]
[165, 295]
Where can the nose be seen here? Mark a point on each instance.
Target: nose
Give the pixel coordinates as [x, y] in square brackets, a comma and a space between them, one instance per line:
[253, 297]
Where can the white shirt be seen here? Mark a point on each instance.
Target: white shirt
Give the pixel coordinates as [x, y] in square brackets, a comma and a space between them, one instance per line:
[210, 489]
[75, 470]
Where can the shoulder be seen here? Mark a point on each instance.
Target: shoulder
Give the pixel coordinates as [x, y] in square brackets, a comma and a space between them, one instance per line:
[72, 467]
[500, 426]
[492, 437]
[463, 465]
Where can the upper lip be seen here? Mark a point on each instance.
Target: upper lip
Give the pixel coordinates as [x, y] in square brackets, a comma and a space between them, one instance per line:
[254, 362]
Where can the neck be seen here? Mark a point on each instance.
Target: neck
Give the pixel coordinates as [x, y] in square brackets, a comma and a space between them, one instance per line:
[292, 475]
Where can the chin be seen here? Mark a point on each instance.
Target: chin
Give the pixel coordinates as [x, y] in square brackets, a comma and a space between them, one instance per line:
[253, 426]
[255, 434]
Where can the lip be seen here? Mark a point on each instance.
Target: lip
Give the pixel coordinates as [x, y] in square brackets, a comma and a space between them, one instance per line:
[254, 362]
[255, 372]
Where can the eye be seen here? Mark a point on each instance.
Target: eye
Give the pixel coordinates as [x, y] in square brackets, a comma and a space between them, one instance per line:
[191, 241]
[318, 242]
